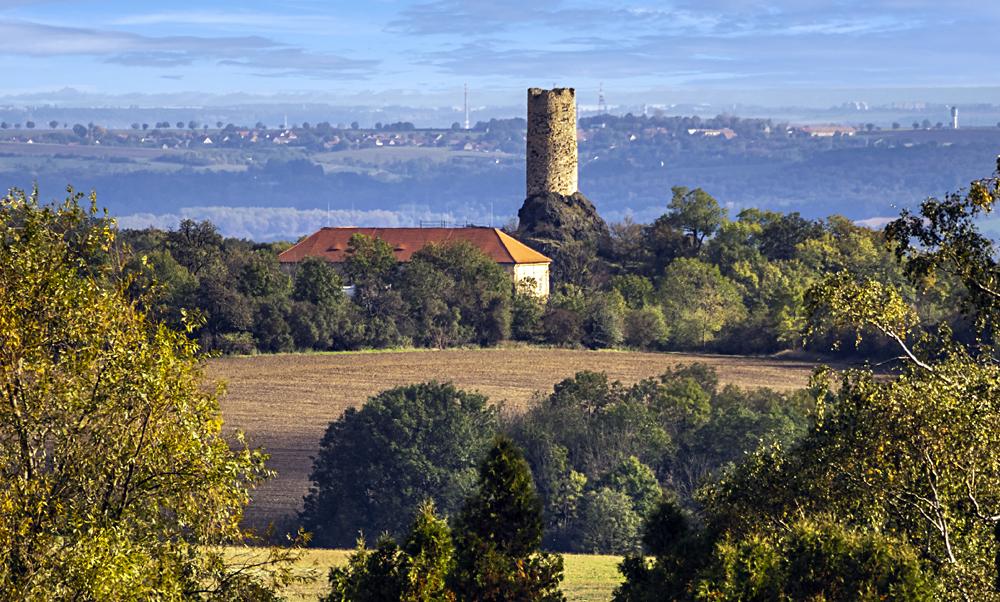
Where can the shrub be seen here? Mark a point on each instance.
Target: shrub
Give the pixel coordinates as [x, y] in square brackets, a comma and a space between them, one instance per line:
[526, 313]
[603, 324]
[815, 561]
[562, 326]
[645, 328]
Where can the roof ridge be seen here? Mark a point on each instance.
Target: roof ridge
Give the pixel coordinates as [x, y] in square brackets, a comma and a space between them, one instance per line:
[503, 244]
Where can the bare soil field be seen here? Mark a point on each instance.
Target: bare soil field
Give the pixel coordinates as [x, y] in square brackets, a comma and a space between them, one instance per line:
[284, 402]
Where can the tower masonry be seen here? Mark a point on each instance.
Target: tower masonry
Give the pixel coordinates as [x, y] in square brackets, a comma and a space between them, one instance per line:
[551, 147]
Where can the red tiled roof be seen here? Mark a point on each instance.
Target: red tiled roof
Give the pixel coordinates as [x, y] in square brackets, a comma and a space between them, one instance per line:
[331, 243]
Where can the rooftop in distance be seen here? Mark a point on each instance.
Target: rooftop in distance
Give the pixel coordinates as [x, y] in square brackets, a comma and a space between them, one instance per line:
[332, 243]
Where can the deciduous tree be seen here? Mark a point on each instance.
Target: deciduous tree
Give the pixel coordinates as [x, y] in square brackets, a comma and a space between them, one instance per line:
[115, 478]
[376, 464]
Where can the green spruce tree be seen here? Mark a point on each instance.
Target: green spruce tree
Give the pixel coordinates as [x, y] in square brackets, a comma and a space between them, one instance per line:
[499, 532]
[415, 572]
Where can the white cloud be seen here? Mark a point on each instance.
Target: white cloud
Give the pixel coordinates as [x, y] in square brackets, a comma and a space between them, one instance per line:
[255, 53]
[313, 23]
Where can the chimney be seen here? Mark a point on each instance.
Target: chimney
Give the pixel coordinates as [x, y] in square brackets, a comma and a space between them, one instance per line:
[551, 147]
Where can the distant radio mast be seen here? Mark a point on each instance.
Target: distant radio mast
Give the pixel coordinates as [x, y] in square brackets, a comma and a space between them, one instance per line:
[602, 105]
[466, 106]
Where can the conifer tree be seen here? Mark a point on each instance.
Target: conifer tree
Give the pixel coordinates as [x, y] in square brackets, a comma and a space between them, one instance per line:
[415, 572]
[499, 532]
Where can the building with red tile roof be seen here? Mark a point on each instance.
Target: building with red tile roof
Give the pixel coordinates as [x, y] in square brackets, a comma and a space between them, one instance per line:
[520, 260]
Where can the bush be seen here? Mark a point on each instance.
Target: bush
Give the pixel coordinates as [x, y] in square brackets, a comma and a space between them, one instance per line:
[816, 561]
[562, 327]
[271, 327]
[526, 315]
[645, 328]
[603, 323]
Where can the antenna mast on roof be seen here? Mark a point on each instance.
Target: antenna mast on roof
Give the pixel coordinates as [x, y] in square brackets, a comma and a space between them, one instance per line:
[466, 106]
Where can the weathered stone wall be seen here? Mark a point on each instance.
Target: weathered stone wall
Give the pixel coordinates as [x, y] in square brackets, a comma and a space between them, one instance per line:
[551, 148]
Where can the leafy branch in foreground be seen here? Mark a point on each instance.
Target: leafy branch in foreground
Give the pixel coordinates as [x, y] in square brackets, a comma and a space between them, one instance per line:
[942, 240]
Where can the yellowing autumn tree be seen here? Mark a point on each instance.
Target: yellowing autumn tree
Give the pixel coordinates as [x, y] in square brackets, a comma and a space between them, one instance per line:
[115, 480]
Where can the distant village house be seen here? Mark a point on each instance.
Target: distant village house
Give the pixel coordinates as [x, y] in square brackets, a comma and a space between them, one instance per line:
[523, 263]
[828, 131]
[726, 133]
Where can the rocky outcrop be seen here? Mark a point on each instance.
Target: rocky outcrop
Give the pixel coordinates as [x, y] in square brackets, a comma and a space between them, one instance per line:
[549, 219]
[556, 218]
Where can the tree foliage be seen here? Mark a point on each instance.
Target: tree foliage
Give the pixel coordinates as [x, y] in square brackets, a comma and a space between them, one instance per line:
[599, 447]
[114, 474]
[417, 571]
[456, 295]
[499, 532]
[691, 279]
[696, 214]
[376, 464]
[698, 301]
[893, 463]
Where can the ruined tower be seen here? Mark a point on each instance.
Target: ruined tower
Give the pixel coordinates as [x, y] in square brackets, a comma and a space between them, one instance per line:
[556, 218]
[551, 147]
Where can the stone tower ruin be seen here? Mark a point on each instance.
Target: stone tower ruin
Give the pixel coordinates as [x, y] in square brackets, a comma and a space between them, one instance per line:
[551, 147]
[556, 218]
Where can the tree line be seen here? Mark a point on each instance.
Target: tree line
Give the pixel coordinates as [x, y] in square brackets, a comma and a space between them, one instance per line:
[691, 280]
[601, 453]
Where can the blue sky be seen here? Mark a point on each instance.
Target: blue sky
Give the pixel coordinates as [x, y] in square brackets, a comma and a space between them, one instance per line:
[423, 51]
